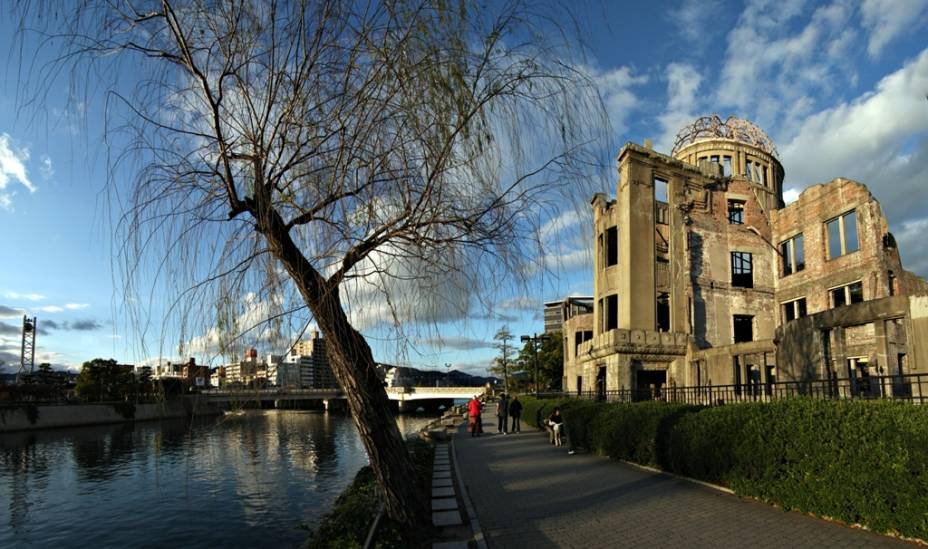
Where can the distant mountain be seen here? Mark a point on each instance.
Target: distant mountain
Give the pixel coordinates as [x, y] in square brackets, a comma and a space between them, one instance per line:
[414, 377]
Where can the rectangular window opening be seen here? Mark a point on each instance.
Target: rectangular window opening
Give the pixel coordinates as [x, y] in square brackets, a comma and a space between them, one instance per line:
[793, 255]
[742, 270]
[612, 246]
[794, 309]
[726, 165]
[847, 295]
[663, 312]
[736, 212]
[744, 328]
[842, 235]
[612, 312]
[660, 190]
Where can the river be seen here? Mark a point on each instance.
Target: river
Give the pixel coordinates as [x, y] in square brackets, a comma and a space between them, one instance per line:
[260, 479]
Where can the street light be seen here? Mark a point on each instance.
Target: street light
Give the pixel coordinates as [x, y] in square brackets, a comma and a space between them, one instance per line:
[447, 374]
[535, 338]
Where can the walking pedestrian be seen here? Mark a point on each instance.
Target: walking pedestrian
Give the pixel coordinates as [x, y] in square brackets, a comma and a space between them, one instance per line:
[502, 411]
[515, 412]
[474, 419]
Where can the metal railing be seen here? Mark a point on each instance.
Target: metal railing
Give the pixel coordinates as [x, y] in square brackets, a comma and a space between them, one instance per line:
[909, 388]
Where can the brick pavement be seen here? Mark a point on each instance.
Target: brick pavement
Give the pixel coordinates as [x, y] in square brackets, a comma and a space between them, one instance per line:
[528, 493]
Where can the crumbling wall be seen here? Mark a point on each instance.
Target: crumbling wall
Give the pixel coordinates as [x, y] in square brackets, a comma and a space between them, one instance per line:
[870, 264]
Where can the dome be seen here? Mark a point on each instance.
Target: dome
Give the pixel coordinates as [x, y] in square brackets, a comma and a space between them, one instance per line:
[712, 127]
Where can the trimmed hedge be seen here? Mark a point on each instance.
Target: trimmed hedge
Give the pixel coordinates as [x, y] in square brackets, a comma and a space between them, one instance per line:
[858, 461]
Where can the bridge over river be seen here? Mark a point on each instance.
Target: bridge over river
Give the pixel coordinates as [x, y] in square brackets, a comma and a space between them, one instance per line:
[407, 398]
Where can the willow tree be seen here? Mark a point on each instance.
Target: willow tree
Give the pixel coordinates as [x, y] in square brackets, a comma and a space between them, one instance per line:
[335, 150]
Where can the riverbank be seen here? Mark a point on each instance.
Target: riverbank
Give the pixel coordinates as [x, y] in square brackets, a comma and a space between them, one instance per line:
[30, 416]
[357, 518]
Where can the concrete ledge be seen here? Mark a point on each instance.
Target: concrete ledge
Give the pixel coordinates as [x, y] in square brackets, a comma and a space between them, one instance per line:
[446, 518]
[75, 415]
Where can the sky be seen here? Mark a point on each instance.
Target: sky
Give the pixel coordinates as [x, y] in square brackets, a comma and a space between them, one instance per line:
[841, 87]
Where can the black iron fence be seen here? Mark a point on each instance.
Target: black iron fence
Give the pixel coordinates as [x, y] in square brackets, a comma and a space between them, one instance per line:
[910, 388]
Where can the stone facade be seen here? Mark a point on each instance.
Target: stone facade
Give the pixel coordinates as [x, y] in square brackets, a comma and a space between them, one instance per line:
[703, 276]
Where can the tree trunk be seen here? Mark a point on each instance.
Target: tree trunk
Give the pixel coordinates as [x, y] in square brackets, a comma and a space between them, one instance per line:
[353, 365]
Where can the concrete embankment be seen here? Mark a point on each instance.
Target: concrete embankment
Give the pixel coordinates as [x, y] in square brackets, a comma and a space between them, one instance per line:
[73, 415]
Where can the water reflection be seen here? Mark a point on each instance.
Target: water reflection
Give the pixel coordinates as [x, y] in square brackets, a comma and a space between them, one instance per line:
[249, 480]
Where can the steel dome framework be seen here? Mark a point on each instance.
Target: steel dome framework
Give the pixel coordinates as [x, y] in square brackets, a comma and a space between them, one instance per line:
[736, 129]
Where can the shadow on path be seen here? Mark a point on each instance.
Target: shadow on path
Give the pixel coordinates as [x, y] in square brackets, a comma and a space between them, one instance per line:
[528, 493]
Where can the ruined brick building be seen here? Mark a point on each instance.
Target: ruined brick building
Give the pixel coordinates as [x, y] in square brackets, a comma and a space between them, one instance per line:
[703, 276]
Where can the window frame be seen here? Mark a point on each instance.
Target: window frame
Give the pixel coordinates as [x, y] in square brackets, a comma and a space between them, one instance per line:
[846, 294]
[734, 327]
[744, 279]
[607, 326]
[842, 234]
[794, 306]
[788, 253]
[735, 202]
[611, 245]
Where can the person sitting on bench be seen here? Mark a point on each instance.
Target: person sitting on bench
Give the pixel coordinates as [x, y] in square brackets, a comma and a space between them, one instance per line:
[556, 422]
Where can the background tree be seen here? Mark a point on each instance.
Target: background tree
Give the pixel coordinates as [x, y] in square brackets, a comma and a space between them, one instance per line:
[104, 380]
[321, 154]
[145, 382]
[550, 356]
[503, 363]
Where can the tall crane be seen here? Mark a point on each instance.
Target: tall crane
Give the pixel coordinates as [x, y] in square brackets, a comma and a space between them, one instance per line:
[27, 354]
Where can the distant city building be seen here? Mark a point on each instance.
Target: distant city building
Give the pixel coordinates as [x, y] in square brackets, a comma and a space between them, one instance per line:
[195, 375]
[312, 358]
[558, 312]
[217, 378]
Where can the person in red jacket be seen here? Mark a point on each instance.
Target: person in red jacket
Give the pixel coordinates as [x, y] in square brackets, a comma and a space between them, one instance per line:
[474, 420]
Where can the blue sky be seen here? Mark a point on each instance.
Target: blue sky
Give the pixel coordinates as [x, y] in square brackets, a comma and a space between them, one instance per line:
[841, 87]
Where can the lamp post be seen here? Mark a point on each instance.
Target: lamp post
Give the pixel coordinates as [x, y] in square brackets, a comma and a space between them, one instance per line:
[535, 338]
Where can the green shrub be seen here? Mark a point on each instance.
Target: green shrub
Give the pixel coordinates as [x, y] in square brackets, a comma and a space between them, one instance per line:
[579, 419]
[858, 461]
[637, 432]
[535, 411]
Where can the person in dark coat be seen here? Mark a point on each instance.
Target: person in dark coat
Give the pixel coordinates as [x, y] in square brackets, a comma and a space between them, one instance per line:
[502, 412]
[515, 412]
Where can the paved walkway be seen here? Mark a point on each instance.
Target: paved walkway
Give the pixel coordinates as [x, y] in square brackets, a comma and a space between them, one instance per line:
[527, 493]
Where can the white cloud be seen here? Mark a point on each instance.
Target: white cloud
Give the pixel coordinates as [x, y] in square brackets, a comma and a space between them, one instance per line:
[521, 303]
[614, 87]
[693, 18]
[51, 309]
[879, 139]
[26, 297]
[910, 236]
[76, 306]
[568, 219]
[791, 195]
[683, 82]
[887, 19]
[459, 343]
[10, 312]
[770, 73]
[12, 169]
[46, 169]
